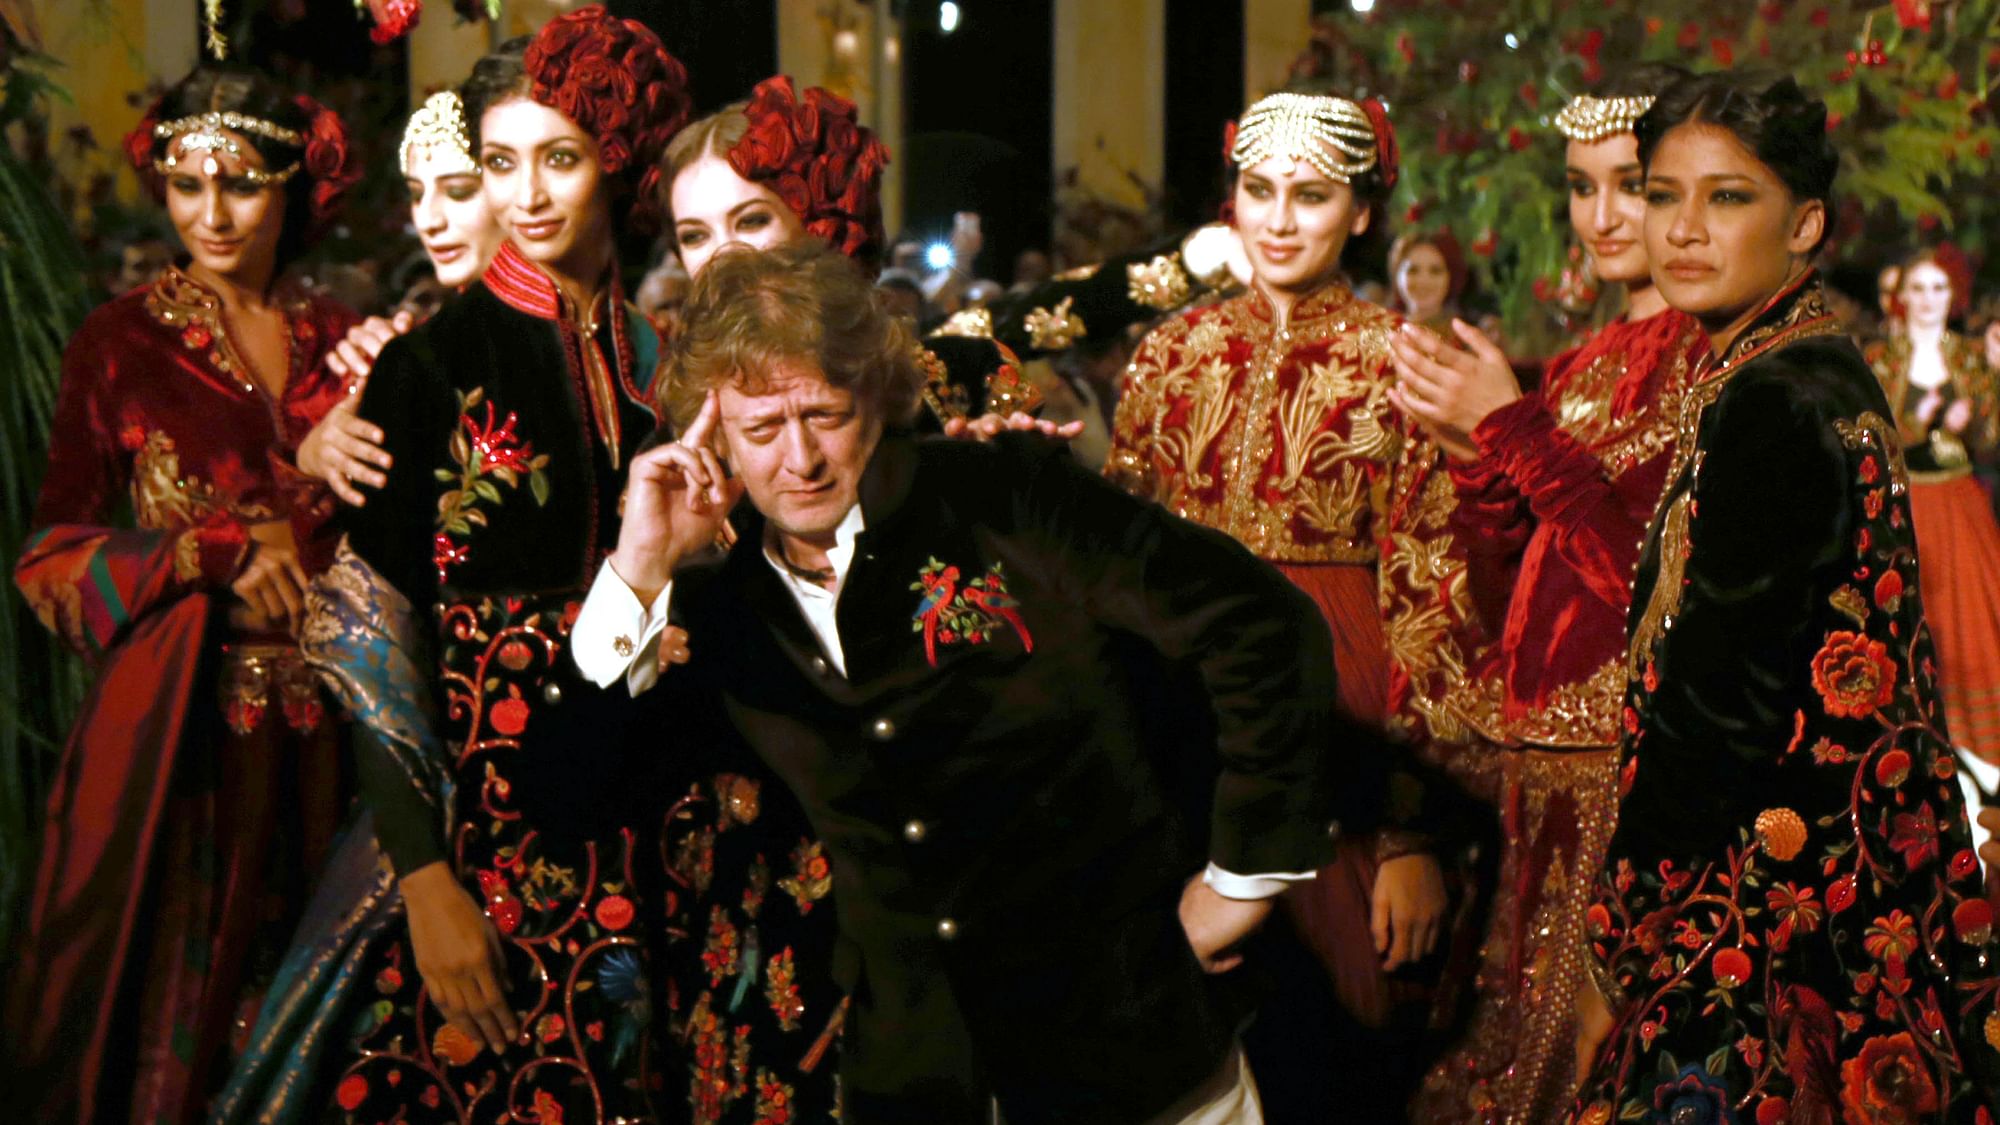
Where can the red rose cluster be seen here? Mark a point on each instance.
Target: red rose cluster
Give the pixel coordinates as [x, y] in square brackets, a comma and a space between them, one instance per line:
[329, 161]
[814, 154]
[615, 79]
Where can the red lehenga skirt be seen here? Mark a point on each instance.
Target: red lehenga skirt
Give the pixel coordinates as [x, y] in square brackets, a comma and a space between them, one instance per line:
[1958, 547]
[198, 796]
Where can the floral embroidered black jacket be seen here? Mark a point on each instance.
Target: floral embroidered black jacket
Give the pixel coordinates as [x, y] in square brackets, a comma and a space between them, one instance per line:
[1790, 924]
[1060, 702]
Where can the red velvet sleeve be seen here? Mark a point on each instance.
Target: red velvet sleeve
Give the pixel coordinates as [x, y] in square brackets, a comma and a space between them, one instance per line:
[85, 578]
[1490, 520]
[1565, 486]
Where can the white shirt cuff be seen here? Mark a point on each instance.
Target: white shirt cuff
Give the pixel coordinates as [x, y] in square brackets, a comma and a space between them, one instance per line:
[616, 636]
[1268, 884]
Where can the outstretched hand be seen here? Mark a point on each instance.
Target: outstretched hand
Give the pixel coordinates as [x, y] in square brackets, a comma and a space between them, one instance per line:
[986, 427]
[677, 498]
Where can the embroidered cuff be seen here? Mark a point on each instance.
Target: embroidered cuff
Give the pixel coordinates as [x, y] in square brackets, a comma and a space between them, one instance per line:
[616, 636]
[1249, 888]
[213, 551]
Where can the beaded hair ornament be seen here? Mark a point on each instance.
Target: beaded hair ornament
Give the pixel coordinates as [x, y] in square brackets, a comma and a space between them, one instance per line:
[437, 131]
[1586, 119]
[203, 132]
[1334, 135]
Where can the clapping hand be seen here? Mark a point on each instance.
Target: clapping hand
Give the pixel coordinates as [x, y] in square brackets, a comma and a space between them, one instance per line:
[1449, 388]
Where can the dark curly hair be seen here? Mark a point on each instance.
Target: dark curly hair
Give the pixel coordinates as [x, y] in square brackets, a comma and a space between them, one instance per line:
[1769, 114]
[752, 309]
[497, 77]
[326, 166]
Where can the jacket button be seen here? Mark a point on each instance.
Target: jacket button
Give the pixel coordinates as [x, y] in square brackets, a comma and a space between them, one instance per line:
[552, 693]
[820, 666]
[915, 831]
[947, 929]
[1333, 830]
[883, 730]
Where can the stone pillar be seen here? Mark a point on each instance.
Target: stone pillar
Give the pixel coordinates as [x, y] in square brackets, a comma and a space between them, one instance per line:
[1274, 33]
[443, 49]
[856, 52]
[1110, 96]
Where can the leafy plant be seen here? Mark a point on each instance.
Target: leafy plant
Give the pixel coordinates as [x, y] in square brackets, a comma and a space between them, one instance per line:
[1473, 88]
[42, 287]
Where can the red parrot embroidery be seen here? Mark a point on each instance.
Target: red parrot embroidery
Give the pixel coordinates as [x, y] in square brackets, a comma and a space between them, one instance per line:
[948, 614]
[940, 586]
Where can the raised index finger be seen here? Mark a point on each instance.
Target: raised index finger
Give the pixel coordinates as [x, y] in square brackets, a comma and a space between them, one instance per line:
[704, 422]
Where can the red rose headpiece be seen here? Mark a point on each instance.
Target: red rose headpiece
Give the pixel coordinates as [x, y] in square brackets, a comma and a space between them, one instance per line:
[326, 161]
[615, 79]
[1388, 157]
[814, 154]
[329, 162]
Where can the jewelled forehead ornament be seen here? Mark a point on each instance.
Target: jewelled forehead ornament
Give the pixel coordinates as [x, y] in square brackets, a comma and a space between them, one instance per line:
[1586, 119]
[437, 131]
[1332, 134]
[204, 132]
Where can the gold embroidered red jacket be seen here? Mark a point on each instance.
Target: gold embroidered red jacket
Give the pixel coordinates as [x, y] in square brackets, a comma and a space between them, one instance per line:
[1280, 432]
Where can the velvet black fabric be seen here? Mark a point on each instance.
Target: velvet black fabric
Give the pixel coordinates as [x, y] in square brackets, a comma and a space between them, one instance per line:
[1791, 916]
[1052, 798]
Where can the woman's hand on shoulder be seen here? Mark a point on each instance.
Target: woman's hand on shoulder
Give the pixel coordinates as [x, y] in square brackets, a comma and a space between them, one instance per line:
[342, 448]
[354, 356]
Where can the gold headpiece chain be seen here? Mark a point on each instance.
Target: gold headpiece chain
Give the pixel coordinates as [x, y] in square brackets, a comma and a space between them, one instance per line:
[1332, 134]
[437, 130]
[204, 132]
[1587, 119]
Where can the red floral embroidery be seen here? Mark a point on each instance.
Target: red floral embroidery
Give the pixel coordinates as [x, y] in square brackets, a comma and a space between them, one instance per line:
[1731, 967]
[719, 957]
[1889, 1081]
[774, 1100]
[1891, 939]
[948, 613]
[1915, 835]
[1853, 675]
[485, 451]
[1973, 920]
[781, 989]
[353, 1090]
[615, 912]
[811, 878]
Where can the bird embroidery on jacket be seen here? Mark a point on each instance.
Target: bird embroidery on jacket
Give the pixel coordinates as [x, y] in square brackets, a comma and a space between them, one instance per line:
[947, 614]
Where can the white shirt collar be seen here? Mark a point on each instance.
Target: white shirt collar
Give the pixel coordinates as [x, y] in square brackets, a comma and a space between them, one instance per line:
[839, 557]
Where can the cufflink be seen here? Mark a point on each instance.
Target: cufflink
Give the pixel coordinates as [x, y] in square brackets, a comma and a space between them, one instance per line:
[622, 645]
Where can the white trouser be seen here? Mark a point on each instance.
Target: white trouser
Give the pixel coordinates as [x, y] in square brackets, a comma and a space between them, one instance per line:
[1227, 1097]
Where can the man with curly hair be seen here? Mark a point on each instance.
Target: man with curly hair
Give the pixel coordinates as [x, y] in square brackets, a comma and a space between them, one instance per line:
[1021, 708]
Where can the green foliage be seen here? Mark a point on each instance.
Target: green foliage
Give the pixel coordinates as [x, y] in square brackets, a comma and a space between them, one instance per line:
[42, 289]
[1473, 86]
